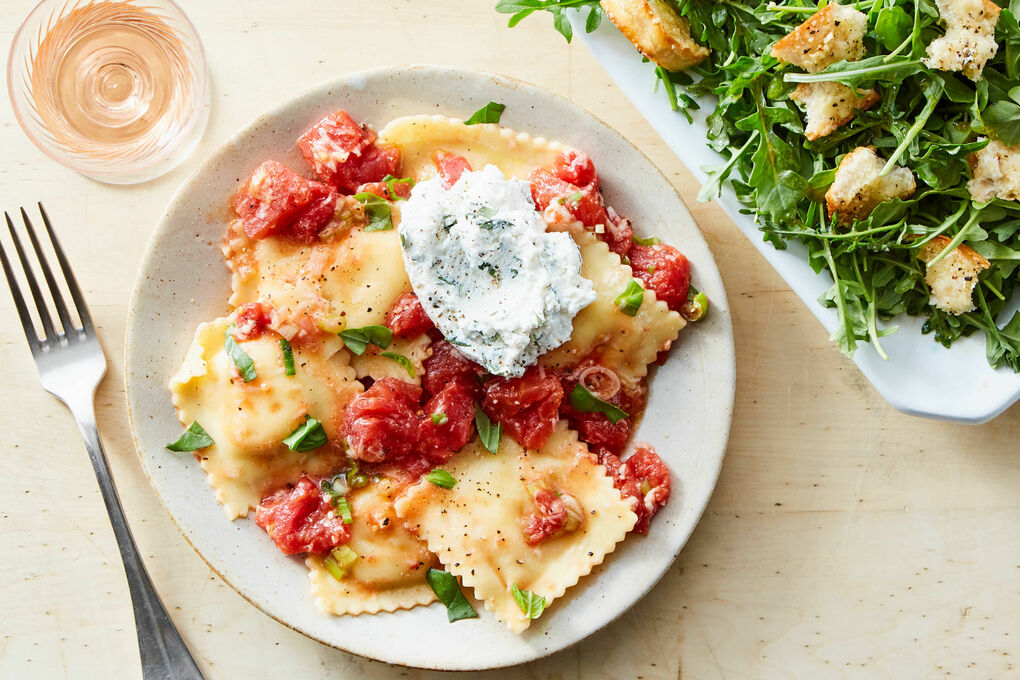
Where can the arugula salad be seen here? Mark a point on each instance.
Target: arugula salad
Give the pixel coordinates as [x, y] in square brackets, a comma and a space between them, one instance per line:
[893, 154]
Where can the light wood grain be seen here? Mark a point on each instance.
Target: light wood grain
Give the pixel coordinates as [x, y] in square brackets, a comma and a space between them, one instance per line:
[845, 540]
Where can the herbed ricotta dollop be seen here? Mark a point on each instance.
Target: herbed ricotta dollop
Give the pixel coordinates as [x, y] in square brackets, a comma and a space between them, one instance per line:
[495, 283]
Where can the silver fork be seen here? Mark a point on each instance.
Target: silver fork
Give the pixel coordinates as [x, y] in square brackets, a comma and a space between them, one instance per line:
[71, 365]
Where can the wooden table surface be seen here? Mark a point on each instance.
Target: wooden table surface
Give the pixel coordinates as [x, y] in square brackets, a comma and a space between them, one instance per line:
[844, 540]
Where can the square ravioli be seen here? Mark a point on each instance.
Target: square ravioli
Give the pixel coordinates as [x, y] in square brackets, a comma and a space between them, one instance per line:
[476, 529]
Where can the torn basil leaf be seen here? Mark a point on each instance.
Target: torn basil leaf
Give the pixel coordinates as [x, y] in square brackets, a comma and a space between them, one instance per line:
[307, 436]
[194, 438]
[441, 478]
[402, 360]
[487, 432]
[490, 113]
[358, 339]
[531, 604]
[377, 209]
[243, 362]
[446, 588]
[629, 301]
[586, 402]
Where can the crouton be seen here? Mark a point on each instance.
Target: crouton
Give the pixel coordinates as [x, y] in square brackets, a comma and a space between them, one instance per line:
[996, 172]
[657, 30]
[830, 105]
[969, 41]
[835, 33]
[858, 188]
[953, 278]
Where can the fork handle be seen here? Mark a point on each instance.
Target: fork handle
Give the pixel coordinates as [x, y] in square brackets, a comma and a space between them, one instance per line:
[163, 653]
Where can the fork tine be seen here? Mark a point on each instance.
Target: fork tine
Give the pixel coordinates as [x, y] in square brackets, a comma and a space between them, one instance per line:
[19, 301]
[51, 283]
[72, 283]
[40, 302]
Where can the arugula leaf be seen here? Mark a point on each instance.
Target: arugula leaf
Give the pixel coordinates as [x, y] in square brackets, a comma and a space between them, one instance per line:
[531, 604]
[244, 364]
[402, 360]
[377, 209]
[1002, 120]
[446, 588]
[586, 402]
[441, 478]
[490, 113]
[308, 436]
[520, 9]
[358, 339]
[486, 432]
[288, 357]
[629, 301]
[194, 438]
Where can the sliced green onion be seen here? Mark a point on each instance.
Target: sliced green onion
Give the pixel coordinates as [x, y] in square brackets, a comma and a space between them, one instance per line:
[650, 241]
[358, 339]
[309, 435]
[441, 478]
[488, 433]
[586, 402]
[696, 306]
[343, 509]
[339, 561]
[629, 301]
[194, 438]
[402, 360]
[531, 604]
[439, 418]
[288, 356]
[243, 362]
[390, 181]
[490, 113]
[446, 588]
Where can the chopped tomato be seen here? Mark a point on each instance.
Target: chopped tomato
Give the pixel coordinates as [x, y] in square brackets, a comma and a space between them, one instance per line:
[446, 366]
[300, 520]
[344, 154]
[665, 270]
[407, 318]
[584, 204]
[272, 198]
[450, 166]
[528, 407]
[251, 321]
[643, 478]
[447, 422]
[381, 423]
[619, 235]
[383, 189]
[576, 167]
[371, 166]
[550, 518]
[315, 215]
[595, 429]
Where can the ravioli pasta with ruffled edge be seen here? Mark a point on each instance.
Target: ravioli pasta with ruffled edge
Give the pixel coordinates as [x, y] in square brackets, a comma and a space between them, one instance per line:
[330, 402]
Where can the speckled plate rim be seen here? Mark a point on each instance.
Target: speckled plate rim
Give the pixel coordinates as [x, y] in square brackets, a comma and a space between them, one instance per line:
[703, 359]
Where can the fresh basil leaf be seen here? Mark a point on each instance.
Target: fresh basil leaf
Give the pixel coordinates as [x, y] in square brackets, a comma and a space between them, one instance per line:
[402, 360]
[309, 435]
[446, 588]
[439, 418]
[377, 209]
[441, 478]
[629, 301]
[194, 438]
[244, 364]
[490, 113]
[288, 357]
[531, 604]
[358, 339]
[586, 402]
[488, 433]
[391, 181]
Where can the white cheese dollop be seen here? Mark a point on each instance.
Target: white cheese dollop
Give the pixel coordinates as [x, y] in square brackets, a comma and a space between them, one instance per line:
[487, 273]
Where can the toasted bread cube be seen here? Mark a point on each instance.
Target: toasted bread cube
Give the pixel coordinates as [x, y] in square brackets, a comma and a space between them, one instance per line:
[996, 172]
[835, 33]
[858, 187]
[969, 41]
[830, 105]
[953, 278]
[657, 30]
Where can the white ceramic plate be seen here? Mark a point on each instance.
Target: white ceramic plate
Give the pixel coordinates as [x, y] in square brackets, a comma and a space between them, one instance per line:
[921, 377]
[183, 281]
